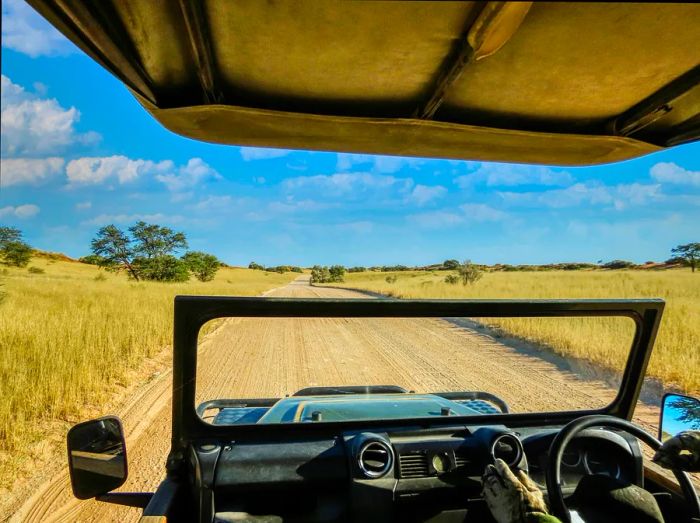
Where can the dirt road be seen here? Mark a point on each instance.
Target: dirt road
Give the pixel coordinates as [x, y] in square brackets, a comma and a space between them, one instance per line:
[269, 358]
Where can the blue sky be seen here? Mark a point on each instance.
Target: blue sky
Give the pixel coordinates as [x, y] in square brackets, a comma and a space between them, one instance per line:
[78, 152]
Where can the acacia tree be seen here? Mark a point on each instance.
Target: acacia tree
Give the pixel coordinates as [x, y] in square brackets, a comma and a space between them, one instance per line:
[145, 254]
[689, 253]
[115, 250]
[13, 250]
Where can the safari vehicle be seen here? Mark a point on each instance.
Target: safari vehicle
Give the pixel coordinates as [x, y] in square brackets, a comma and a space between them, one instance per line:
[554, 83]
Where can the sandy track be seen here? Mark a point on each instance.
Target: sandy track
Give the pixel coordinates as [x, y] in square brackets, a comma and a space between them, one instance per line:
[289, 354]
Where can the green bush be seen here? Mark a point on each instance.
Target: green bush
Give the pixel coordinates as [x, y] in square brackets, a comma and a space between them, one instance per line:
[162, 268]
[256, 266]
[36, 270]
[357, 269]
[204, 266]
[452, 279]
[391, 278]
[13, 251]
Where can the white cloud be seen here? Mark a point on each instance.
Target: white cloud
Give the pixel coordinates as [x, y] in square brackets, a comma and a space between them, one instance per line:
[423, 194]
[508, 175]
[480, 212]
[618, 197]
[669, 172]
[24, 30]
[83, 206]
[352, 184]
[21, 211]
[95, 170]
[106, 219]
[377, 164]
[435, 219]
[258, 153]
[195, 172]
[34, 126]
[17, 171]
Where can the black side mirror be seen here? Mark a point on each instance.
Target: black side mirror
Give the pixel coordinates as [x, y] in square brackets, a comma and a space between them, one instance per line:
[678, 413]
[96, 457]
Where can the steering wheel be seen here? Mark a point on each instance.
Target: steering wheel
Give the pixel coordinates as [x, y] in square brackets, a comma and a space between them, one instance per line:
[570, 431]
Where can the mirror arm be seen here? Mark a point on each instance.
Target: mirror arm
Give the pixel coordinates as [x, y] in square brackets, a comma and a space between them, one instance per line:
[128, 499]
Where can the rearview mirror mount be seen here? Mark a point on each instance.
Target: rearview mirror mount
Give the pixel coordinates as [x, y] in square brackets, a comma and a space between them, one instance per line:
[96, 457]
[678, 413]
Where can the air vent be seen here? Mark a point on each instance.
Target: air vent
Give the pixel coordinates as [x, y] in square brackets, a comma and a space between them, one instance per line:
[375, 459]
[462, 458]
[508, 448]
[414, 466]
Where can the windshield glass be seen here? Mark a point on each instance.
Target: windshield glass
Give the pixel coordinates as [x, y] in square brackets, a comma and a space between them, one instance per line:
[340, 369]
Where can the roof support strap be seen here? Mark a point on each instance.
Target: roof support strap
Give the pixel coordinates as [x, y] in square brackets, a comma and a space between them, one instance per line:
[495, 25]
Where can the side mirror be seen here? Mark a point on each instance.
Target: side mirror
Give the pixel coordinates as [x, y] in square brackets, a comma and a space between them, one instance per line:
[96, 457]
[678, 413]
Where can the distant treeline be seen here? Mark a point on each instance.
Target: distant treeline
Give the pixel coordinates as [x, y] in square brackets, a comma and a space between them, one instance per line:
[277, 268]
[451, 265]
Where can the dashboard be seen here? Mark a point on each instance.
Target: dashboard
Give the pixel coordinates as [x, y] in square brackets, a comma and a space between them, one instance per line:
[400, 475]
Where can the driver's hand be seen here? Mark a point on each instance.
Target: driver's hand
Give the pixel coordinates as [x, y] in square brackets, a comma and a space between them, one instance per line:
[681, 452]
[511, 498]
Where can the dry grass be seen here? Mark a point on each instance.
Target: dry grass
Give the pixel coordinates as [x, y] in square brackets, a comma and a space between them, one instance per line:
[69, 341]
[676, 357]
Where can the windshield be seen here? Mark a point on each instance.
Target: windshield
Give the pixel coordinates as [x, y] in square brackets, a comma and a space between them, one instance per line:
[342, 369]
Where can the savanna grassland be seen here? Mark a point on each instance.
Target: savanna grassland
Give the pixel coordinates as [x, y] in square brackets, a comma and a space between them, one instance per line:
[73, 336]
[676, 358]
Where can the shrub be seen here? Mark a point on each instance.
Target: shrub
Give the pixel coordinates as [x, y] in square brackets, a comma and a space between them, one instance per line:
[336, 273]
[201, 264]
[100, 277]
[357, 269]
[618, 264]
[452, 279]
[256, 266]
[13, 251]
[391, 278]
[36, 270]
[468, 272]
[92, 259]
[162, 268]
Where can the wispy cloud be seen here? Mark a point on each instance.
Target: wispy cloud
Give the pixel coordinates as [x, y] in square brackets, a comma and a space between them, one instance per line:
[481, 212]
[351, 185]
[435, 219]
[258, 153]
[669, 172]
[424, 194]
[376, 164]
[126, 218]
[23, 30]
[184, 177]
[508, 175]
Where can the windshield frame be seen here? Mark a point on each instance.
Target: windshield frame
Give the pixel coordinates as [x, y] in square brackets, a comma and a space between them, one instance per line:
[192, 312]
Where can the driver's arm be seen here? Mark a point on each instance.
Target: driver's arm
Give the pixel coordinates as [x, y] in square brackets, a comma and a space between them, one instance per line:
[513, 499]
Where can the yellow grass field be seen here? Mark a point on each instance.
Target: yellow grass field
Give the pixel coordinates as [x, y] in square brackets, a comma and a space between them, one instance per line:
[69, 341]
[676, 358]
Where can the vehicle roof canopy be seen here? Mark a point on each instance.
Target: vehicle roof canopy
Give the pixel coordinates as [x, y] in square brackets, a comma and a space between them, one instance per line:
[555, 83]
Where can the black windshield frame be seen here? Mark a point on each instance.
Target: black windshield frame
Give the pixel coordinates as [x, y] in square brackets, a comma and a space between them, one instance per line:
[192, 312]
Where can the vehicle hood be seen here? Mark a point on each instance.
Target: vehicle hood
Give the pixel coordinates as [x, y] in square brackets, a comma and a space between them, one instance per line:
[355, 407]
